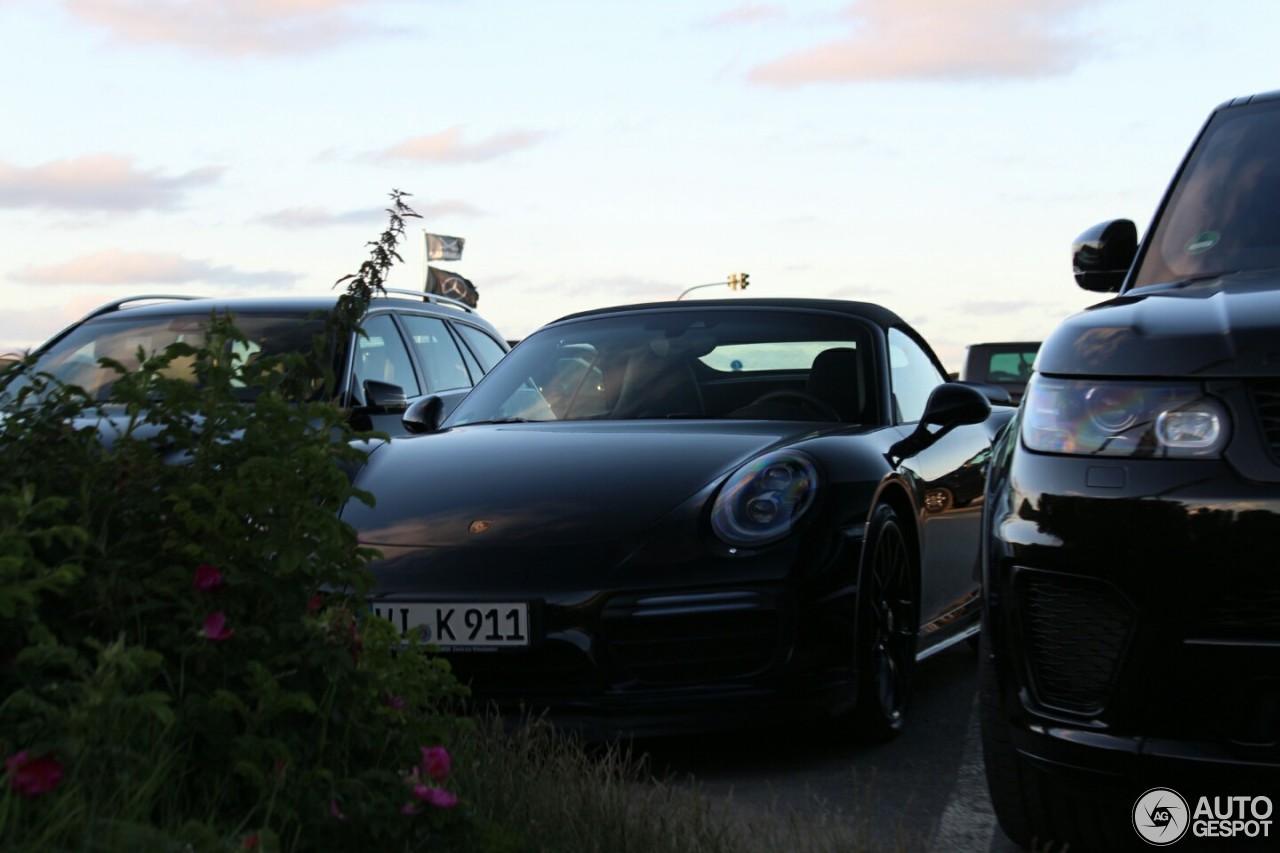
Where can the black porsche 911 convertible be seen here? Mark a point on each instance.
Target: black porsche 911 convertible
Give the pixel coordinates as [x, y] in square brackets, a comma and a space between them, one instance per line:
[673, 516]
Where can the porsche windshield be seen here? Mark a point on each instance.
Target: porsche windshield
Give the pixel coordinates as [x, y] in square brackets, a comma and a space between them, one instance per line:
[675, 364]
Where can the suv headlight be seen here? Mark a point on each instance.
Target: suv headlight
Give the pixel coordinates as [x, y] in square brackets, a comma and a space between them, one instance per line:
[762, 501]
[1110, 418]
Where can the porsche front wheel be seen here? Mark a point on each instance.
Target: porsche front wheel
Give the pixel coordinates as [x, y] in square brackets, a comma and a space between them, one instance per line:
[887, 627]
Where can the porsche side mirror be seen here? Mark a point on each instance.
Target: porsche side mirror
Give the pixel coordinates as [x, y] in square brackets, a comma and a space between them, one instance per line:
[424, 415]
[383, 397]
[1102, 255]
[950, 405]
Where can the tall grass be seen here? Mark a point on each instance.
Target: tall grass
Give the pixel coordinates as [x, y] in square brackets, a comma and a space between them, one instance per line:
[549, 791]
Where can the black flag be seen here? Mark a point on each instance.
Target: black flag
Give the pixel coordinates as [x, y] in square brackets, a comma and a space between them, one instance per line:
[452, 285]
[444, 248]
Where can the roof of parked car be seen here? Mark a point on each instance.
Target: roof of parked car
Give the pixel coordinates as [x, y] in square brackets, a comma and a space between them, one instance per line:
[870, 310]
[170, 303]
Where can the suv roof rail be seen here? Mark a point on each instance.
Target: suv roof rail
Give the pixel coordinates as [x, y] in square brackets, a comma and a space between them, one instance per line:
[117, 304]
[426, 297]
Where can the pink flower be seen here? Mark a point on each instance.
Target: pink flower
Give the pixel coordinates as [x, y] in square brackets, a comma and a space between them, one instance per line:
[215, 627]
[33, 776]
[396, 703]
[436, 762]
[437, 797]
[314, 604]
[410, 808]
[207, 579]
[336, 812]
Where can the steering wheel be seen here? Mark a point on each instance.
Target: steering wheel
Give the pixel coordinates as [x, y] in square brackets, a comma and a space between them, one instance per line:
[805, 399]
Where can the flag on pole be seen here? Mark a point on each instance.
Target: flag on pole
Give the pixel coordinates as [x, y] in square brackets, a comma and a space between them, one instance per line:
[452, 285]
[442, 248]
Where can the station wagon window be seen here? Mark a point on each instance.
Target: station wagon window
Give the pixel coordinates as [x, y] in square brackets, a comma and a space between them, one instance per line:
[912, 376]
[73, 359]
[381, 355]
[486, 349]
[437, 353]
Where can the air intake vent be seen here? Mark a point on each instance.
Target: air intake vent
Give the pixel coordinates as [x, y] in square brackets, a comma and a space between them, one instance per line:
[1266, 402]
[692, 638]
[1077, 630]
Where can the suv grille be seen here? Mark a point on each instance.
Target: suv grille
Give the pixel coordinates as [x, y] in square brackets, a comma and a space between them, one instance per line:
[1249, 613]
[1077, 631]
[1266, 402]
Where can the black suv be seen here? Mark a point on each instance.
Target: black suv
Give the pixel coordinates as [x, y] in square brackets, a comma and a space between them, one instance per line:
[1131, 685]
[415, 345]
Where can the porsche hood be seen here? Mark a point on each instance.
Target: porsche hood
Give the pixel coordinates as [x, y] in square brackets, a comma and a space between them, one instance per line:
[524, 484]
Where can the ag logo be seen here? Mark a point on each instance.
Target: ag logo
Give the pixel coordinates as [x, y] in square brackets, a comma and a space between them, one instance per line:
[1160, 816]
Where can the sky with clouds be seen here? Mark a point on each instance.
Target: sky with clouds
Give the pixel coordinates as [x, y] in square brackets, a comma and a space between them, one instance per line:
[936, 156]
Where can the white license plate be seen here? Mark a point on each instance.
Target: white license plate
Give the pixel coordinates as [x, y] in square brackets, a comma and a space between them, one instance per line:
[459, 625]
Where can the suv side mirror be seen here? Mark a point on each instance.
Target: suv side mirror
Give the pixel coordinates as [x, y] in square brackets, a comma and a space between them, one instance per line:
[384, 397]
[1102, 255]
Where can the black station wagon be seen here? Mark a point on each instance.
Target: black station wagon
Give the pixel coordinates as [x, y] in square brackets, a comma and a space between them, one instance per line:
[414, 345]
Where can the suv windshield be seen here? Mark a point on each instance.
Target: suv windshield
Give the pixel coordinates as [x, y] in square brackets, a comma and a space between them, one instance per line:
[1223, 214]
[73, 359]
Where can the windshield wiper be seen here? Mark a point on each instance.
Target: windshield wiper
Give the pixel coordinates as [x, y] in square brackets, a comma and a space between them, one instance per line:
[512, 420]
[1230, 273]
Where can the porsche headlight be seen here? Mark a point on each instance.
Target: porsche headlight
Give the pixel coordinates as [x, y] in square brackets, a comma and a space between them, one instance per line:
[1109, 418]
[762, 501]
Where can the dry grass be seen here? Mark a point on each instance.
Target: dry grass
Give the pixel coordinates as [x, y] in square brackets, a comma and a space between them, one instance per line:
[539, 790]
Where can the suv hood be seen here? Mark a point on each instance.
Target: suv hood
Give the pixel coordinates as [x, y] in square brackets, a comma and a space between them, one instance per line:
[1220, 327]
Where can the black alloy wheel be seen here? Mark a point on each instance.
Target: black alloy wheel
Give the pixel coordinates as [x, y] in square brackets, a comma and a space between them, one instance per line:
[888, 618]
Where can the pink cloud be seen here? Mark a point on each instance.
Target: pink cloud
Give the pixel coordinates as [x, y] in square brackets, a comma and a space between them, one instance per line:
[921, 39]
[447, 207]
[22, 329]
[116, 266]
[227, 27]
[322, 217]
[449, 147]
[97, 182]
[747, 13]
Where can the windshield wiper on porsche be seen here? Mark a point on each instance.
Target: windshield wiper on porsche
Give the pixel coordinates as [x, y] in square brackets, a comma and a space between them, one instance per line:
[510, 420]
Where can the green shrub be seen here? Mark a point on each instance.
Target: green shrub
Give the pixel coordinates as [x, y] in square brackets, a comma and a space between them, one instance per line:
[186, 660]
